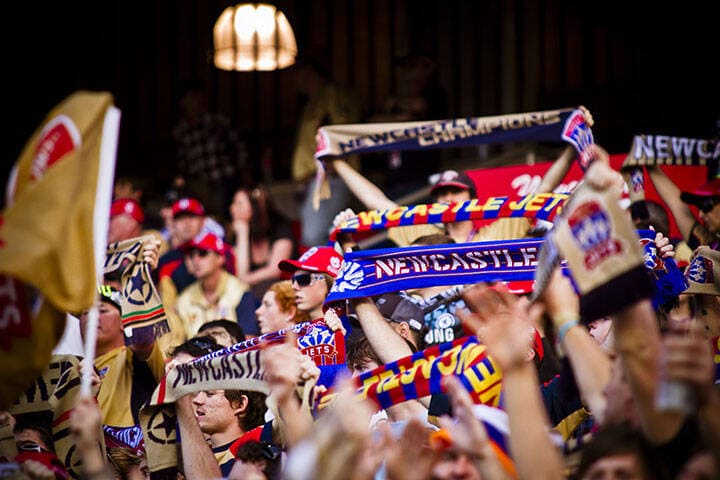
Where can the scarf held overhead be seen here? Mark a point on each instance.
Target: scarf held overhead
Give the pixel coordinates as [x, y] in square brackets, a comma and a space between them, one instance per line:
[374, 272]
[654, 150]
[551, 126]
[543, 206]
[143, 315]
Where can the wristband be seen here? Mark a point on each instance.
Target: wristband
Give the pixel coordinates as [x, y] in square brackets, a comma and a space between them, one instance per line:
[564, 329]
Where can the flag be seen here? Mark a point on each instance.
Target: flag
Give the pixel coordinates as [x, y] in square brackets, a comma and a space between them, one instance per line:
[58, 187]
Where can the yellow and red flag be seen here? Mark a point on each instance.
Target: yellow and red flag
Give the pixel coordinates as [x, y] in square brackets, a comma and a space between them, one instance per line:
[58, 196]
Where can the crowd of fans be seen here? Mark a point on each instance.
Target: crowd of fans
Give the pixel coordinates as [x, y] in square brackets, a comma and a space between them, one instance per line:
[581, 397]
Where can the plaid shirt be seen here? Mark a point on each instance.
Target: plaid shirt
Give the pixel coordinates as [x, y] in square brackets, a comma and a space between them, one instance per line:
[209, 149]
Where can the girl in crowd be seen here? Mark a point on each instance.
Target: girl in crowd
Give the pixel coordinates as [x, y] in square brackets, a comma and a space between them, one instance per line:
[263, 237]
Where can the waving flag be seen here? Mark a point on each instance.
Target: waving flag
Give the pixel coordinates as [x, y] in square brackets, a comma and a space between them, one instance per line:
[63, 176]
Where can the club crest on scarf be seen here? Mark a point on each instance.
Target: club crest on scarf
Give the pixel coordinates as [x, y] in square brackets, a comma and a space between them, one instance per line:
[576, 132]
[637, 180]
[321, 344]
[650, 255]
[700, 270]
[351, 277]
[591, 229]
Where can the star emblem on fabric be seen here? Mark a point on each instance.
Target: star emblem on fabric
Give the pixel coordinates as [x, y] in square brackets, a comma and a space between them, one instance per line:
[164, 430]
[137, 283]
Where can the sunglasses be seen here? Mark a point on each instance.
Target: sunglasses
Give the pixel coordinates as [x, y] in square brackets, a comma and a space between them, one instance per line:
[198, 252]
[305, 279]
[707, 205]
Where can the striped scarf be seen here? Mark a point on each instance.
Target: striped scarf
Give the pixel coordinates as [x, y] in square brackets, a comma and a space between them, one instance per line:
[541, 206]
[655, 150]
[236, 367]
[143, 315]
[335, 141]
[56, 391]
[374, 272]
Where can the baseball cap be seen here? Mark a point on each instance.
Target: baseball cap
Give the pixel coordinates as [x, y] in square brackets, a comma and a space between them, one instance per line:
[188, 206]
[709, 190]
[703, 272]
[397, 308]
[111, 295]
[206, 241]
[315, 259]
[452, 178]
[127, 206]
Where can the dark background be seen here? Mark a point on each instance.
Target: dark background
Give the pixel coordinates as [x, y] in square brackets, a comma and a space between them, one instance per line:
[639, 67]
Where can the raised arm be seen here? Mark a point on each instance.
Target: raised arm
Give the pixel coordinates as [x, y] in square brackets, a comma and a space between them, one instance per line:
[385, 341]
[198, 459]
[591, 366]
[389, 346]
[563, 163]
[503, 322]
[367, 192]
[670, 194]
[637, 340]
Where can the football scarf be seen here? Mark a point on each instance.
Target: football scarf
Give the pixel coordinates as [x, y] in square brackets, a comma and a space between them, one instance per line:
[143, 315]
[542, 206]
[419, 374]
[551, 126]
[55, 391]
[654, 150]
[374, 272]
[236, 367]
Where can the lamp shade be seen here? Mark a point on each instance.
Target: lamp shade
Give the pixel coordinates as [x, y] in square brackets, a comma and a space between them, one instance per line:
[253, 36]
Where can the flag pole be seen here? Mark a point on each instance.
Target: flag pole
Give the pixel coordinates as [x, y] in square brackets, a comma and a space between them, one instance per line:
[101, 215]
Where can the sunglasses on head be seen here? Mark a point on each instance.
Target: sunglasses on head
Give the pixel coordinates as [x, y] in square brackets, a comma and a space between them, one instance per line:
[204, 343]
[305, 279]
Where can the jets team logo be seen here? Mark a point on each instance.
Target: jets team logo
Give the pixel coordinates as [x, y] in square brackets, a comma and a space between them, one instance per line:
[701, 270]
[319, 344]
[577, 132]
[650, 255]
[350, 278]
[637, 180]
[592, 230]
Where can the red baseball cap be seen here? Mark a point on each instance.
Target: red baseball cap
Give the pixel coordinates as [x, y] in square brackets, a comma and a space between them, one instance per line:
[316, 259]
[188, 206]
[453, 178]
[206, 241]
[127, 206]
[707, 191]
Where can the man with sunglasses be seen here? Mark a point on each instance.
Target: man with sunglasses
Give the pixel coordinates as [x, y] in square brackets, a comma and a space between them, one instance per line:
[313, 275]
[704, 230]
[216, 293]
